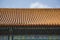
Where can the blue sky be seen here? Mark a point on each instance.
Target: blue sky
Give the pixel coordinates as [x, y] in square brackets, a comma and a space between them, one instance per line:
[29, 3]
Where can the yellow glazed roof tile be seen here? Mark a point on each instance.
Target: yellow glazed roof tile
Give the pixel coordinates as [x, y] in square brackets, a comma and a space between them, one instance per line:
[29, 16]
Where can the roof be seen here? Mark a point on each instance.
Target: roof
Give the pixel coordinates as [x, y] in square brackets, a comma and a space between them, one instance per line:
[17, 16]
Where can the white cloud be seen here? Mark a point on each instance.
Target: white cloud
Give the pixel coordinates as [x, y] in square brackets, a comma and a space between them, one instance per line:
[38, 5]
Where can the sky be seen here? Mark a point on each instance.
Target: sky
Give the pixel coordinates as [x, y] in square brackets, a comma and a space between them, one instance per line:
[29, 3]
